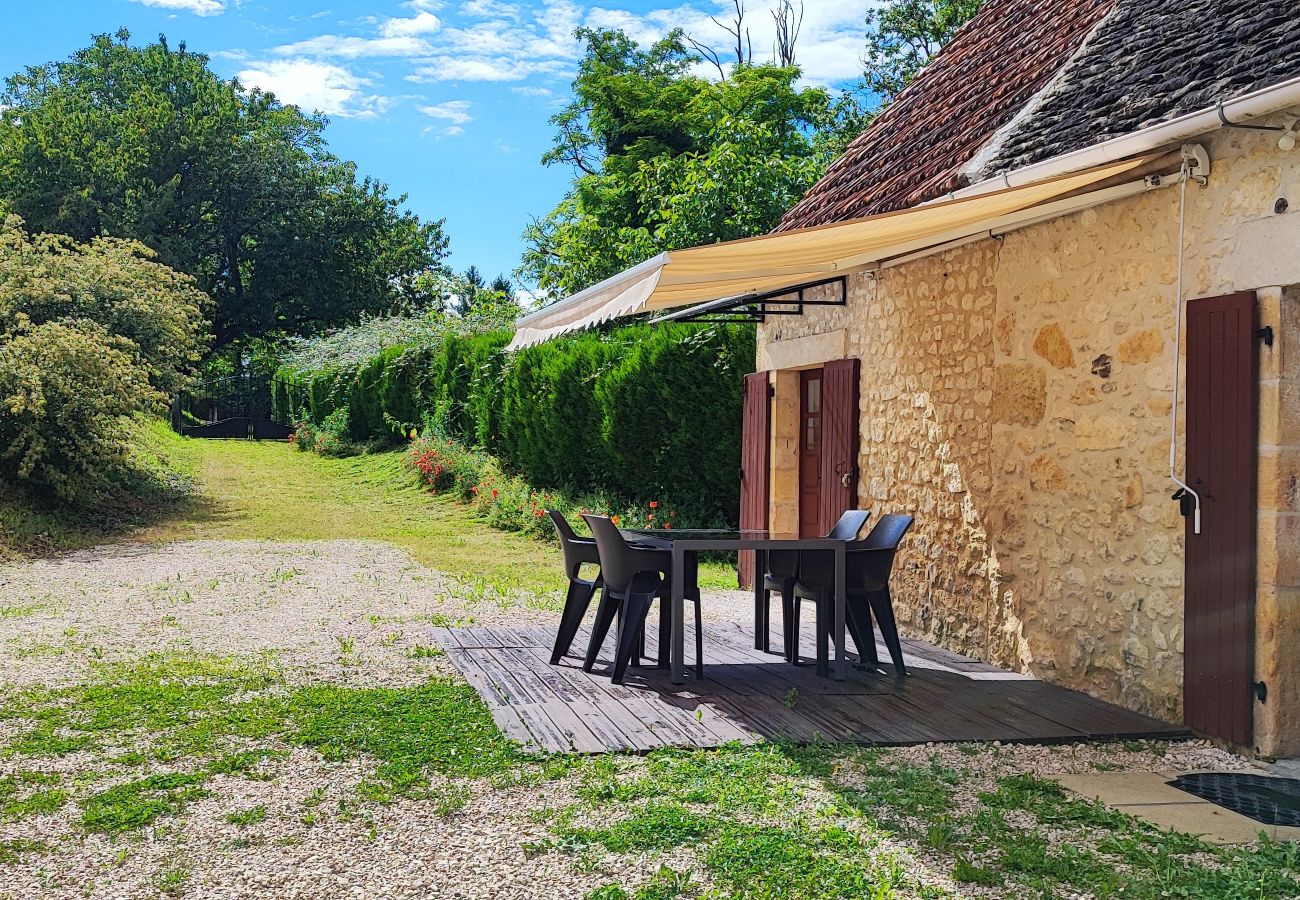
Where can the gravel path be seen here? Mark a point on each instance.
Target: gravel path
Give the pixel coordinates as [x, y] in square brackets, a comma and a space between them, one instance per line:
[341, 611]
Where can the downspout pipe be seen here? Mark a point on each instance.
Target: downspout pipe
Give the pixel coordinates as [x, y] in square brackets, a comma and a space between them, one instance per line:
[1238, 111]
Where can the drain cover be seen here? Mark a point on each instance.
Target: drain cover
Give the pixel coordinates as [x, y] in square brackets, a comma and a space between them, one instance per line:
[1273, 801]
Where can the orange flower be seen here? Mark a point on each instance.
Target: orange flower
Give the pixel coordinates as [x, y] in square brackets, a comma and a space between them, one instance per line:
[614, 519]
[668, 525]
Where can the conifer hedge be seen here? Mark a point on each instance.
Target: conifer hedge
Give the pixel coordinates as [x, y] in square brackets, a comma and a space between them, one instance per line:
[637, 413]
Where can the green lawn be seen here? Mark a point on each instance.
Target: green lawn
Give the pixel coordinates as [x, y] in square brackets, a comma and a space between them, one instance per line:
[269, 491]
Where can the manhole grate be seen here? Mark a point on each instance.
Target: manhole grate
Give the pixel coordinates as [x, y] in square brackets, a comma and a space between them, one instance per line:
[1273, 801]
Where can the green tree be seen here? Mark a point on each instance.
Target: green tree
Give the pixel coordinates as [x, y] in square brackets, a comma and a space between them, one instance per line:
[663, 158]
[903, 35]
[224, 183]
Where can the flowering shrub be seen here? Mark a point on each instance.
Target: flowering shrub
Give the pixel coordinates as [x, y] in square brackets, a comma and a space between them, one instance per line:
[508, 502]
[329, 438]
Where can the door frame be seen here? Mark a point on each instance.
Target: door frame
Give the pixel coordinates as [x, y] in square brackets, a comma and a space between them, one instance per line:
[805, 376]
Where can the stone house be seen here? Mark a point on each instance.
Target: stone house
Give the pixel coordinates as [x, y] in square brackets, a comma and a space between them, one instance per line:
[1034, 375]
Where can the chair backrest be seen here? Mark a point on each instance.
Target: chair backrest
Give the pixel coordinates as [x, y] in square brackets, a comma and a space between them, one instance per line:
[782, 564]
[874, 564]
[620, 563]
[577, 550]
[850, 523]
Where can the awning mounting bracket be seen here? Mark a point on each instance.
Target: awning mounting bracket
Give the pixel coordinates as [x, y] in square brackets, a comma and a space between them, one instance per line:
[757, 307]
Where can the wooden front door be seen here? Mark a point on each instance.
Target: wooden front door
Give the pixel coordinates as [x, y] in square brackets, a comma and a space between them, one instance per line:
[840, 417]
[810, 454]
[755, 443]
[1222, 415]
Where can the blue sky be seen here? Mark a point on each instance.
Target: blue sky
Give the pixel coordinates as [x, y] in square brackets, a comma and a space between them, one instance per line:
[446, 101]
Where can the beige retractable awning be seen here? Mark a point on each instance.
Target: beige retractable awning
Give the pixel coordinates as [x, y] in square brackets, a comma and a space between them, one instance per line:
[760, 265]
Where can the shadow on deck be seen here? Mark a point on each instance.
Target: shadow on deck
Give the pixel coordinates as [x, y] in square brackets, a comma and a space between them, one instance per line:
[748, 695]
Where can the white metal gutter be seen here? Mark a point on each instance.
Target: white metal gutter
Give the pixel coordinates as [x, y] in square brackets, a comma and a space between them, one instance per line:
[1240, 110]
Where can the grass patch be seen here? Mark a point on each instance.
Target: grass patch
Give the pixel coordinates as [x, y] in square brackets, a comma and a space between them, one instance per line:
[764, 863]
[756, 779]
[656, 826]
[441, 726]
[191, 706]
[141, 802]
[26, 794]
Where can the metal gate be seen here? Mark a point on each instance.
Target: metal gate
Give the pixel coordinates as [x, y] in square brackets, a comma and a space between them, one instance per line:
[236, 406]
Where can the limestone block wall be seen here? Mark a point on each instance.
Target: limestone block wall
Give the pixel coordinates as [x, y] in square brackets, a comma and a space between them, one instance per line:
[1016, 397]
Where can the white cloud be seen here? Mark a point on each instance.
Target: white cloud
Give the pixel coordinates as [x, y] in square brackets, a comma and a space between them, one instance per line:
[501, 68]
[198, 7]
[349, 47]
[490, 9]
[315, 85]
[529, 90]
[422, 22]
[505, 148]
[454, 111]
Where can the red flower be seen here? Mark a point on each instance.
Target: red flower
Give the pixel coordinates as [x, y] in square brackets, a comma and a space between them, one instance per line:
[668, 525]
[654, 504]
[494, 493]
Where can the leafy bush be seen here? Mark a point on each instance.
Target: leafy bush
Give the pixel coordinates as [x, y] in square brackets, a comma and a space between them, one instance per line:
[633, 415]
[90, 334]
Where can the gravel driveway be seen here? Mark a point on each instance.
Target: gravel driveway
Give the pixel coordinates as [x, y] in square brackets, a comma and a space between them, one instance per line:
[347, 612]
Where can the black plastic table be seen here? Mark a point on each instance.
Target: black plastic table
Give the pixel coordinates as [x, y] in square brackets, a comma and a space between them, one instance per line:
[684, 541]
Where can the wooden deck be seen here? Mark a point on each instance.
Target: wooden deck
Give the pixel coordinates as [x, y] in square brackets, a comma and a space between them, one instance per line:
[748, 695]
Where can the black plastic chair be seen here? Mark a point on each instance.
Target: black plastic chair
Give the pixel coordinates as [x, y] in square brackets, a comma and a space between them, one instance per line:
[578, 551]
[783, 572]
[633, 577]
[867, 568]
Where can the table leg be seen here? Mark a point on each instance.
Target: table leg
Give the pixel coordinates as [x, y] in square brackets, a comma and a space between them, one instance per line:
[760, 613]
[678, 601]
[841, 660]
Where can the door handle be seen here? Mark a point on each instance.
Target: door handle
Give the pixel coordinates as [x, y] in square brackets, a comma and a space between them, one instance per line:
[844, 479]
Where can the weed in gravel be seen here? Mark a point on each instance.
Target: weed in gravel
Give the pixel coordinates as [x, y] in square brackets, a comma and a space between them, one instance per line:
[14, 849]
[244, 817]
[26, 794]
[141, 802]
[665, 884]
[244, 762]
[172, 880]
[20, 611]
[423, 651]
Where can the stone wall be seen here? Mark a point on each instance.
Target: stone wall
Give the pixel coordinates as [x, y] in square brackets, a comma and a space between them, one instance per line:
[1016, 397]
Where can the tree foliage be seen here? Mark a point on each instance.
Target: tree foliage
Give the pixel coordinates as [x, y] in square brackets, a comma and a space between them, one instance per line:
[89, 334]
[226, 184]
[664, 158]
[903, 35]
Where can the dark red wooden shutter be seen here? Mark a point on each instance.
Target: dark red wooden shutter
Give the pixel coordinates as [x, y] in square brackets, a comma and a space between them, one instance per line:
[839, 440]
[755, 443]
[1219, 604]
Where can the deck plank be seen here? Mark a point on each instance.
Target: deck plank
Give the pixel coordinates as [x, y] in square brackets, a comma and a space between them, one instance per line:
[748, 695]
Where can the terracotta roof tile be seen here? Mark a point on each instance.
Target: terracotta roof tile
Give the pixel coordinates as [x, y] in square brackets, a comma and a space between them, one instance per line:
[915, 149]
